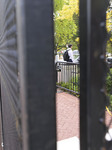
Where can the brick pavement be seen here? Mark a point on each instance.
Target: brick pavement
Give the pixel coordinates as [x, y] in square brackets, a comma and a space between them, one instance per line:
[68, 116]
[108, 119]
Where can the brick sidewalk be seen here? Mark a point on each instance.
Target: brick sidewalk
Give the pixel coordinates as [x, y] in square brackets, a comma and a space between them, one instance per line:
[68, 116]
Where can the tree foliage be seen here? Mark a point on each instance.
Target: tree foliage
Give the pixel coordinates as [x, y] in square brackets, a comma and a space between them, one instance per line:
[69, 9]
[66, 23]
[58, 4]
[109, 20]
[109, 29]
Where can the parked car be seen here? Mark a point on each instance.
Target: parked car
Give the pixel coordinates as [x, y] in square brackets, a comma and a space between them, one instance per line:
[109, 61]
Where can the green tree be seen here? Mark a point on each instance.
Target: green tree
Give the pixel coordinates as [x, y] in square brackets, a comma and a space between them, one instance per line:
[58, 4]
[109, 29]
[66, 19]
[65, 32]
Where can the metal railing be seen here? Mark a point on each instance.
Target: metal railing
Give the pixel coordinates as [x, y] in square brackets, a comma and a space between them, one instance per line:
[68, 75]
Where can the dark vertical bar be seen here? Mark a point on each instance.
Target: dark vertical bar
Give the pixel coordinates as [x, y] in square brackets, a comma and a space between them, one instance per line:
[59, 73]
[73, 77]
[64, 73]
[78, 78]
[92, 69]
[37, 75]
[83, 75]
[68, 76]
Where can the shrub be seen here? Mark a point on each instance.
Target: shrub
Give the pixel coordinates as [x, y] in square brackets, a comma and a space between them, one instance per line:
[109, 82]
[109, 87]
[73, 84]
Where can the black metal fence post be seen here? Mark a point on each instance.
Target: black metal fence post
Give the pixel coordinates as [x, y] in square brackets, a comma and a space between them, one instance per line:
[37, 75]
[92, 73]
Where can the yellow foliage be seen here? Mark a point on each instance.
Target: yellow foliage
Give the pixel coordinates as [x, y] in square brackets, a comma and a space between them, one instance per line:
[110, 39]
[77, 39]
[109, 20]
[68, 10]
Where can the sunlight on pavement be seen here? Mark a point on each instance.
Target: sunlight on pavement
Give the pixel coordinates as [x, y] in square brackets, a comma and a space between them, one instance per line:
[68, 144]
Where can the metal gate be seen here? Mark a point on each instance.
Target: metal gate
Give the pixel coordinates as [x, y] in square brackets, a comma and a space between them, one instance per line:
[27, 87]
[27, 74]
[93, 37]
[11, 108]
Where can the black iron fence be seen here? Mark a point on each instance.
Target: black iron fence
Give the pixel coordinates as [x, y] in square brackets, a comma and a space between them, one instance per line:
[68, 75]
[27, 87]
[22, 75]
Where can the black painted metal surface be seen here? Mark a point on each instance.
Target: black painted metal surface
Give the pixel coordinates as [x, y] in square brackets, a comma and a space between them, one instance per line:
[37, 75]
[9, 77]
[27, 93]
[93, 38]
[32, 39]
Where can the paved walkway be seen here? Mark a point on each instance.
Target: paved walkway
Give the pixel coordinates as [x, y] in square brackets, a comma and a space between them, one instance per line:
[68, 116]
